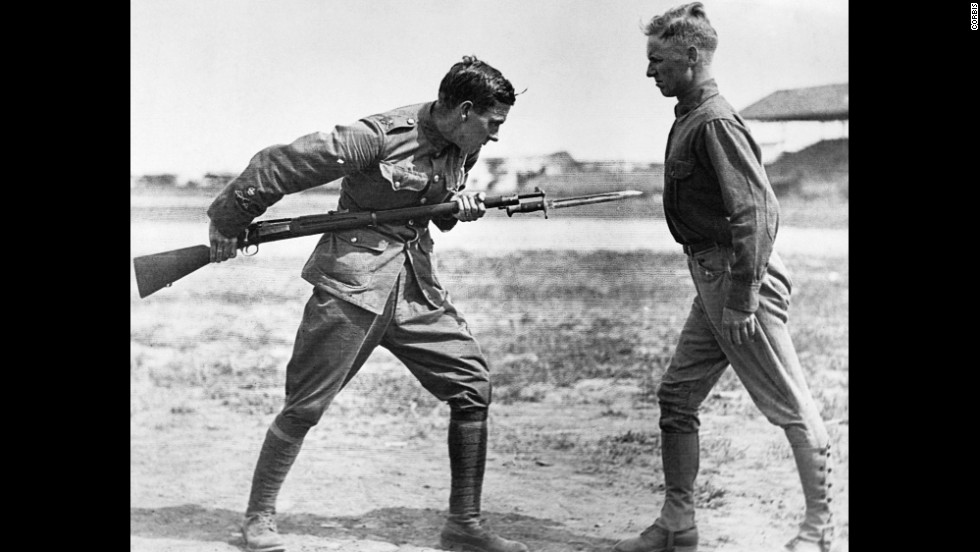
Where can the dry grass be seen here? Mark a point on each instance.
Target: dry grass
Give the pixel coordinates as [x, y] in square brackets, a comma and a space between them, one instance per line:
[547, 321]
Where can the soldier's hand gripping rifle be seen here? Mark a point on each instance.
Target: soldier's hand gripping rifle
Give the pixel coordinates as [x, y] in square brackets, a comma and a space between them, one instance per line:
[162, 269]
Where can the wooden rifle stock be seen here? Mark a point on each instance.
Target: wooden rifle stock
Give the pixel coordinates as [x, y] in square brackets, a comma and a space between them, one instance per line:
[162, 269]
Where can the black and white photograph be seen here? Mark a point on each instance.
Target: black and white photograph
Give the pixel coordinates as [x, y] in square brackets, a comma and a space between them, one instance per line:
[473, 276]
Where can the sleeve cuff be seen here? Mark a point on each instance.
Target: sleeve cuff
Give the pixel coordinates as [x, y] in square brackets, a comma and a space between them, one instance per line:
[743, 297]
[228, 218]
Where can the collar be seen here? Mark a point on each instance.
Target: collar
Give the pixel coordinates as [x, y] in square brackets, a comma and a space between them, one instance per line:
[695, 97]
[437, 142]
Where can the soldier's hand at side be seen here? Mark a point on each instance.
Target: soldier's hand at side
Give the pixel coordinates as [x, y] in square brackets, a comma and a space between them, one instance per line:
[471, 206]
[740, 327]
[222, 248]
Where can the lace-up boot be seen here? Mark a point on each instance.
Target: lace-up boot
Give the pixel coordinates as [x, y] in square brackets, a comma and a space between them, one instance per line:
[816, 531]
[261, 534]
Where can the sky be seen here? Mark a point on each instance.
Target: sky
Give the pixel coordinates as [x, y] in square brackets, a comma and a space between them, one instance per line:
[215, 81]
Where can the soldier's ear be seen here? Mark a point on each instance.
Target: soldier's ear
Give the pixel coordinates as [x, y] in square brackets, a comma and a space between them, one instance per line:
[693, 55]
[465, 108]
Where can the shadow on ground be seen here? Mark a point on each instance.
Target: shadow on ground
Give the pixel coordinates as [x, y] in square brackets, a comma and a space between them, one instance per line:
[400, 526]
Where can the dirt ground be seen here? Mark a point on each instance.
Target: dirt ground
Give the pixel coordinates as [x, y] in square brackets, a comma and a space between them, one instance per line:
[375, 483]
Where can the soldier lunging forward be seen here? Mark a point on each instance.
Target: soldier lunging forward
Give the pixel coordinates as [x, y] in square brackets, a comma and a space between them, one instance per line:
[376, 286]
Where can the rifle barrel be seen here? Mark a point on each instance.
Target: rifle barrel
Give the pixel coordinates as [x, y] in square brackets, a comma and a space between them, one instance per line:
[307, 225]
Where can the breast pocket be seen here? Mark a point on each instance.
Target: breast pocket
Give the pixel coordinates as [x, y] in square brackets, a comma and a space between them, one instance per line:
[676, 173]
[678, 169]
[403, 178]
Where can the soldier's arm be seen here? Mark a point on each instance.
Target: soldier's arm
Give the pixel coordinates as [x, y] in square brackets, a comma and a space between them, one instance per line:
[751, 205]
[311, 160]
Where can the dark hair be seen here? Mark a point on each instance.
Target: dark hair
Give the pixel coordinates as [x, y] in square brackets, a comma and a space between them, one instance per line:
[476, 81]
[685, 25]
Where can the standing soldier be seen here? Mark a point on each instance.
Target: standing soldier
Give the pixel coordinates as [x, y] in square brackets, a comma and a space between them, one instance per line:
[376, 286]
[720, 207]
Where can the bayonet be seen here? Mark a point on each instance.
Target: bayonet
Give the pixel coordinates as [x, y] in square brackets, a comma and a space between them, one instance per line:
[542, 204]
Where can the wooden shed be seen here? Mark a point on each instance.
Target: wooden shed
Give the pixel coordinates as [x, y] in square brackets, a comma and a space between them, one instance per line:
[790, 120]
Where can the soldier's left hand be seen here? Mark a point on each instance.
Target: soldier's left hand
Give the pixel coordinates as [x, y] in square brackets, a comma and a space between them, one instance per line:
[740, 327]
[471, 206]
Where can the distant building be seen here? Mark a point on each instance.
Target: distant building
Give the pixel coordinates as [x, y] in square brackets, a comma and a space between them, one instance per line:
[790, 120]
[617, 166]
[509, 174]
[157, 180]
[217, 180]
[164, 180]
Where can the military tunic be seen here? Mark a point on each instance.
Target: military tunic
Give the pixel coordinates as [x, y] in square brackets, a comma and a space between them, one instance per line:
[375, 285]
[387, 161]
[717, 192]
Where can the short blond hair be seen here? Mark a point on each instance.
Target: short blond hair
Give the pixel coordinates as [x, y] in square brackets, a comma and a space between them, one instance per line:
[685, 26]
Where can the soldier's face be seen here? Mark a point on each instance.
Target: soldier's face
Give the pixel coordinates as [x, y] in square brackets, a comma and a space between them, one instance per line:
[669, 67]
[479, 128]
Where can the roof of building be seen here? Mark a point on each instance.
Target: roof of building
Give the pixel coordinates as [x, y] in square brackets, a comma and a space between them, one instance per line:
[816, 103]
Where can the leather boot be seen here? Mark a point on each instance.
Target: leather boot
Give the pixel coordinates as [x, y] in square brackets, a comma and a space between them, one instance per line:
[464, 530]
[674, 530]
[681, 456]
[471, 536]
[658, 539]
[275, 459]
[261, 535]
[815, 532]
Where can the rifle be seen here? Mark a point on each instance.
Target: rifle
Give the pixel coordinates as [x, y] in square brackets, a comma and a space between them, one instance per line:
[159, 270]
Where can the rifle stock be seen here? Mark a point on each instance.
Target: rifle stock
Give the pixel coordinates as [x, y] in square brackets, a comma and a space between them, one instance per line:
[159, 270]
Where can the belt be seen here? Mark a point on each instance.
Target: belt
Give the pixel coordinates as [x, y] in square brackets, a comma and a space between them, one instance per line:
[695, 248]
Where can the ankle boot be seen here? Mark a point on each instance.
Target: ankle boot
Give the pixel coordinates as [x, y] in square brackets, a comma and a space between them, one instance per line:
[470, 535]
[674, 530]
[658, 539]
[260, 533]
[464, 530]
[815, 532]
[275, 460]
